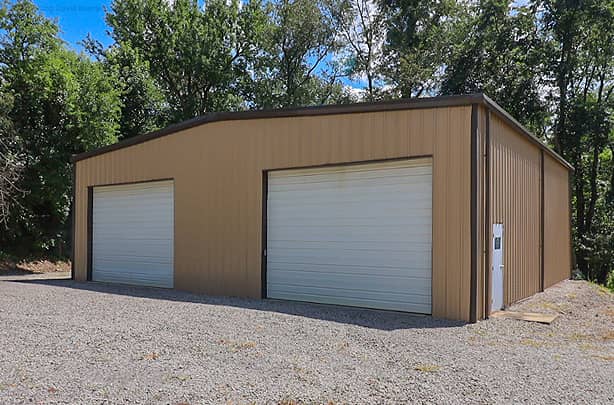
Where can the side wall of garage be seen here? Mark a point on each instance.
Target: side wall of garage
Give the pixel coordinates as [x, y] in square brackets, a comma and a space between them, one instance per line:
[557, 248]
[218, 169]
[515, 190]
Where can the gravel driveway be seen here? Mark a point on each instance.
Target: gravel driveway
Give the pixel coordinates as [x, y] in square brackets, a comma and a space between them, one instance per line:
[69, 342]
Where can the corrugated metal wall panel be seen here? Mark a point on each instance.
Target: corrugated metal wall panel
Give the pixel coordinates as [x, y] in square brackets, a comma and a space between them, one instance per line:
[217, 169]
[557, 243]
[515, 202]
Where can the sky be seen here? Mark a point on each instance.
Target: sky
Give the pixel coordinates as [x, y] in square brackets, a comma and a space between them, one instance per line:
[77, 18]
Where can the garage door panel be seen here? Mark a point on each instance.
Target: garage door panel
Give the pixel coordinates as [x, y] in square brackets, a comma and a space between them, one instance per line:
[134, 279]
[343, 188]
[140, 235]
[334, 235]
[346, 194]
[355, 258]
[381, 301]
[361, 173]
[355, 292]
[416, 272]
[132, 266]
[416, 245]
[159, 247]
[132, 234]
[382, 283]
[371, 222]
[358, 235]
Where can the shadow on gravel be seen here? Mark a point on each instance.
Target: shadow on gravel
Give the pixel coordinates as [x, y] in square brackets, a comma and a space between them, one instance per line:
[369, 318]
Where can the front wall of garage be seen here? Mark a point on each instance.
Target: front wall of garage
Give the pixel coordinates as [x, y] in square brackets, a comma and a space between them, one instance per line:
[218, 168]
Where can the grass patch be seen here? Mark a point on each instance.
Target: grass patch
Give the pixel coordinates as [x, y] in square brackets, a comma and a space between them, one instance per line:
[427, 368]
[560, 308]
[235, 346]
[480, 332]
[609, 335]
[151, 356]
[531, 342]
[578, 337]
[601, 290]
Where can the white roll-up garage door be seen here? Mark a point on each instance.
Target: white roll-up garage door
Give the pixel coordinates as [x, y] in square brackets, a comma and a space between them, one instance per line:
[132, 234]
[355, 235]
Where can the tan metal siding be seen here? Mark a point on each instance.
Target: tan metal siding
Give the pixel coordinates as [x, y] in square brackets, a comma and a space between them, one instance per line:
[557, 253]
[217, 169]
[515, 202]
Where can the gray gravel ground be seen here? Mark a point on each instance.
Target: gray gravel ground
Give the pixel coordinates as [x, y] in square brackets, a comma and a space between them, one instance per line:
[68, 342]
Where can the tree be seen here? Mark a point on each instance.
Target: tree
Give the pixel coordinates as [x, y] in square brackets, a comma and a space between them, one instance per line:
[143, 104]
[63, 104]
[362, 33]
[498, 50]
[295, 65]
[197, 55]
[10, 167]
[581, 68]
[417, 40]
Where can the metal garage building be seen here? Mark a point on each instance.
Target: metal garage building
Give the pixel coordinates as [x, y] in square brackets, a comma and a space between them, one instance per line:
[444, 206]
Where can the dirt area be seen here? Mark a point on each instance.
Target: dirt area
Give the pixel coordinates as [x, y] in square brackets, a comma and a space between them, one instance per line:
[70, 342]
[8, 267]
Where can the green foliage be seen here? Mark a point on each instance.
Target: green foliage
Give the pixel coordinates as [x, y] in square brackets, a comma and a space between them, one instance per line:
[197, 56]
[63, 104]
[580, 58]
[417, 44]
[498, 50]
[143, 104]
[362, 32]
[610, 281]
[293, 69]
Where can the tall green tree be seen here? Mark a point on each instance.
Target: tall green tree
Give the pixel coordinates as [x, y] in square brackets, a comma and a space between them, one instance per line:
[63, 104]
[197, 55]
[418, 37]
[498, 50]
[581, 68]
[10, 165]
[295, 66]
[143, 103]
[362, 33]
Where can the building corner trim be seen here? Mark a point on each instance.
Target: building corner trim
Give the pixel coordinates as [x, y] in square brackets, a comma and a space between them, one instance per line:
[487, 223]
[473, 316]
[542, 222]
[72, 220]
[90, 230]
[263, 237]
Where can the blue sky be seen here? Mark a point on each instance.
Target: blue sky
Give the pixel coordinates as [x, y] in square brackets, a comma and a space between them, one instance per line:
[77, 18]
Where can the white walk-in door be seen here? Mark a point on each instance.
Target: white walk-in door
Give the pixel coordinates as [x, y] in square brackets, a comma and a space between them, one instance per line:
[132, 234]
[352, 235]
[497, 267]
